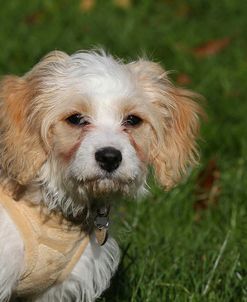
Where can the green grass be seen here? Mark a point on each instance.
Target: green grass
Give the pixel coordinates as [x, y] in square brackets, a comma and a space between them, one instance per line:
[168, 254]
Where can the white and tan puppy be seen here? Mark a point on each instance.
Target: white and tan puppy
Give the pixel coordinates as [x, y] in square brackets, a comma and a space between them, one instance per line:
[75, 131]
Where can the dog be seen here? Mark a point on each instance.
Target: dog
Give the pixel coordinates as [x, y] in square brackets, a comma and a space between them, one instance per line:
[75, 132]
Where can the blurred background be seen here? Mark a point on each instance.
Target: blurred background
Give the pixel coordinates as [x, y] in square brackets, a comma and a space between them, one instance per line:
[189, 244]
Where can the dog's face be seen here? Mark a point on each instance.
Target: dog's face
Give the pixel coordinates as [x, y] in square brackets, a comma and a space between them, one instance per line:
[98, 134]
[91, 124]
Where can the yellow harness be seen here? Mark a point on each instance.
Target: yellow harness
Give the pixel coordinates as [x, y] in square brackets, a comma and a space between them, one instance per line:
[53, 245]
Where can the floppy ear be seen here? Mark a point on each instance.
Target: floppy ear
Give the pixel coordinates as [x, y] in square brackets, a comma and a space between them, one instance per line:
[173, 147]
[177, 150]
[21, 150]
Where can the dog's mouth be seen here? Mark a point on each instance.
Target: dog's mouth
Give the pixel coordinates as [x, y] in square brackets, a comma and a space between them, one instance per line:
[109, 177]
[107, 184]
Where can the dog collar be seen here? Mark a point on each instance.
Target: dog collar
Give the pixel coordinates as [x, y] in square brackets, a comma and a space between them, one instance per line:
[101, 223]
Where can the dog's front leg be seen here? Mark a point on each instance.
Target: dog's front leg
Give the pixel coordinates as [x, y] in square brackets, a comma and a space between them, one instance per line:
[89, 278]
[11, 256]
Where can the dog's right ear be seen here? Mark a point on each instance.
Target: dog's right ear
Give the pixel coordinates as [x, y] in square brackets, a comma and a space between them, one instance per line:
[21, 150]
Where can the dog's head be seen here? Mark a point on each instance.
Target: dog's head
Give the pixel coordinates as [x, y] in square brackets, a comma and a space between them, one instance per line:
[88, 123]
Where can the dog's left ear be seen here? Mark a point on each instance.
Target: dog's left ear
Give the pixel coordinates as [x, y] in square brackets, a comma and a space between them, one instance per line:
[21, 149]
[175, 123]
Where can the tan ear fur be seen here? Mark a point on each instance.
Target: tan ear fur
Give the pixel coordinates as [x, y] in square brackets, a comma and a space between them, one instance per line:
[177, 151]
[173, 147]
[21, 151]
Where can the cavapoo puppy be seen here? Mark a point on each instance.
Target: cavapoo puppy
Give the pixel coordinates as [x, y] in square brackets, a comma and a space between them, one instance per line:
[75, 132]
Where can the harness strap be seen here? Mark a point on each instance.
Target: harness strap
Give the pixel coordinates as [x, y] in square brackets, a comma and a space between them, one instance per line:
[31, 245]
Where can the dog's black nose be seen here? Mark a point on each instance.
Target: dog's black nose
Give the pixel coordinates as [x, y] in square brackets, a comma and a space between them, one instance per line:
[108, 158]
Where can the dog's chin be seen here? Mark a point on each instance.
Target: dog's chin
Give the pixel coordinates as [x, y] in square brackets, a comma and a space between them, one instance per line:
[107, 187]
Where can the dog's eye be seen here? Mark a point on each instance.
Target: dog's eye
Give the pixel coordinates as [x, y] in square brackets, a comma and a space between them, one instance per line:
[77, 120]
[132, 120]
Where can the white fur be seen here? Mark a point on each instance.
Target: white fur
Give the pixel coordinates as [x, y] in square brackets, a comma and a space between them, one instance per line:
[11, 256]
[106, 84]
[90, 277]
[84, 166]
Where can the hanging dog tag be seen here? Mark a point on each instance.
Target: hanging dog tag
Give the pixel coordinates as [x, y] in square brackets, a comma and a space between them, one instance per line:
[101, 223]
[101, 236]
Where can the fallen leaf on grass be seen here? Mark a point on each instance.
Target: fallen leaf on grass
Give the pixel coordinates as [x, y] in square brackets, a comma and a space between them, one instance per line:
[123, 3]
[211, 47]
[34, 18]
[183, 79]
[208, 189]
[87, 5]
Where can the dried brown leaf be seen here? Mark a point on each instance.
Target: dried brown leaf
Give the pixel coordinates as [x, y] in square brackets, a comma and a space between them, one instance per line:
[211, 47]
[183, 79]
[87, 5]
[123, 3]
[34, 18]
[208, 188]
